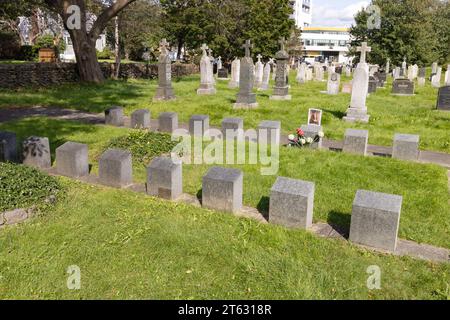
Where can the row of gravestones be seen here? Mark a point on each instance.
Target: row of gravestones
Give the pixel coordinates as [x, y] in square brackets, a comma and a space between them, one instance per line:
[375, 216]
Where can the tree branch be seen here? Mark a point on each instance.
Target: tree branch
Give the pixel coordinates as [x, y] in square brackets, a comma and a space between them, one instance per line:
[106, 16]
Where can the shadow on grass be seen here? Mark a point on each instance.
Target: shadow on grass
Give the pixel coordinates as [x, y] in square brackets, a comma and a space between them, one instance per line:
[263, 207]
[199, 196]
[340, 222]
[335, 113]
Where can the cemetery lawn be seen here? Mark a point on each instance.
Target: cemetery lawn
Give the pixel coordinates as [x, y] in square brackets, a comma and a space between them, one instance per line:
[389, 114]
[425, 214]
[130, 246]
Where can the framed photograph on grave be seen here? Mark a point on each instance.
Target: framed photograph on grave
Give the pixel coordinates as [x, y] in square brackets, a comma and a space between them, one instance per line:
[315, 117]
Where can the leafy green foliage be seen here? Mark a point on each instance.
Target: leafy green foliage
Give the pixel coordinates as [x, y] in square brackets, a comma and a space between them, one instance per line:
[23, 187]
[417, 30]
[144, 145]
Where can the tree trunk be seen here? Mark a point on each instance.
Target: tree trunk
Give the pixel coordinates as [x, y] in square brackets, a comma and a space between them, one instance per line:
[117, 48]
[180, 48]
[86, 54]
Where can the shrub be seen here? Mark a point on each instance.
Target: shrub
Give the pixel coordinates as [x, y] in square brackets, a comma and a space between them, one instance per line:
[106, 54]
[144, 145]
[27, 53]
[23, 187]
[9, 45]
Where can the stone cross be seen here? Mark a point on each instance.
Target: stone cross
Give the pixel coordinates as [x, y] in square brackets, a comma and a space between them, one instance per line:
[204, 47]
[259, 56]
[163, 45]
[282, 42]
[247, 46]
[363, 49]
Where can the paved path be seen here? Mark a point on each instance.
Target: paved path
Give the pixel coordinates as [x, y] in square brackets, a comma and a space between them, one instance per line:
[15, 113]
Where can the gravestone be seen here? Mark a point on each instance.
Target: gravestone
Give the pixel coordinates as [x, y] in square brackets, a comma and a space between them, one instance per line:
[199, 125]
[235, 70]
[266, 78]
[301, 73]
[434, 68]
[168, 122]
[436, 79]
[382, 77]
[140, 119]
[269, 132]
[115, 168]
[375, 219]
[373, 84]
[348, 71]
[36, 152]
[447, 76]
[222, 189]
[309, 74]
[222, 74]
[233, 128]
[443, 101]
[206, 77]
[388, 66]
[358, 109]
[114, 116]
[312, 131]
[165, 178]
[355, 141]
[333, 84]
[396, 73]
[219, 63]
[211, 65]
[404, 68]
[347, 87]
[318, 72]
[72, 160]
[259, 72]
[421, 77]
[403, 87]
[246, 99]
[165, 90]
[281, 88]
[291, 203]
[406, 147]
[8, 146]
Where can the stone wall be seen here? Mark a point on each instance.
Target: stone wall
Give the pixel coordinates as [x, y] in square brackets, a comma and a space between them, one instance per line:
[47, 74]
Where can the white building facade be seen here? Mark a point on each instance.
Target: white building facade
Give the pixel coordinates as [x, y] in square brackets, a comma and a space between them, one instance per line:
[302, 12]
[326, 43]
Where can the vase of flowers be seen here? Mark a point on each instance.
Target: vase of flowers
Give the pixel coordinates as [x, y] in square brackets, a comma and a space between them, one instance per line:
[300, 140]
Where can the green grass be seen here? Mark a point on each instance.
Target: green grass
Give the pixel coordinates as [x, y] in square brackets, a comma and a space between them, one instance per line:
[389, 114]
[130, 246]
[425, 215]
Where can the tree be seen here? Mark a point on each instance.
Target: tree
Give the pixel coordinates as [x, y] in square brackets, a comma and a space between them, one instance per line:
[12, 10]
[83, 39]
[406, 31]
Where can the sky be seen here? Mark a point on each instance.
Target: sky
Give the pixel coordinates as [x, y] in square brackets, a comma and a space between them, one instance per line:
[336, 13]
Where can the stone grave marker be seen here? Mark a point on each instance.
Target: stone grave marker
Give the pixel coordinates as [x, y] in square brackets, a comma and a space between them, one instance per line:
[281, 88]
[8, 146]
[207, 86]
[36, 152]
[443, 102]
[235, 70]
[246, 99]
[165, 178]
[403, 87]
[334, 81]
[72, 160]
[115, 168]
[165, 90]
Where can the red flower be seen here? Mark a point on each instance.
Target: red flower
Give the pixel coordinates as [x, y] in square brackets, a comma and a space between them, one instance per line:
[300, 132]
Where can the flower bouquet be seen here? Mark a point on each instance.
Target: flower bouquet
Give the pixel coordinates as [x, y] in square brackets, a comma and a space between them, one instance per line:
[300, 140]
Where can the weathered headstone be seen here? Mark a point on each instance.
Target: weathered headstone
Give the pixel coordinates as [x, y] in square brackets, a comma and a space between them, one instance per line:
[447, 76]
[198, 125]
[375, 219]
[406, 147]
[266, 78]
[318, 72]
[309, 74]
[8, 146]
[281, 88]
[269, 132]
[115, 168]
[421, 77]
[355, 141]
[396, 73]
[206, 74]
[373, 84]
[72, 160]
[246, 99]
[36, 152]
[291, 203]
[347, 87]
[388, 66]
[434, 68]
[165, 90]
[168, 122]
[259, 72]
[312, 131]
[301, 73]
[140, 119]
[403, 87]
[382, 77]
[436, 79]
[233, 128]
[114, 116]
[219, 63]
[222, 74]
[404, 68]
[222, 189]
[334, 81]
[358, 109]
[235, 70]
[443, 102]
[165, 178]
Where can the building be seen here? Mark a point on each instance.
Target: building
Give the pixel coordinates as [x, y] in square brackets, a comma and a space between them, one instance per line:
[302, 12]
[321, 43]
